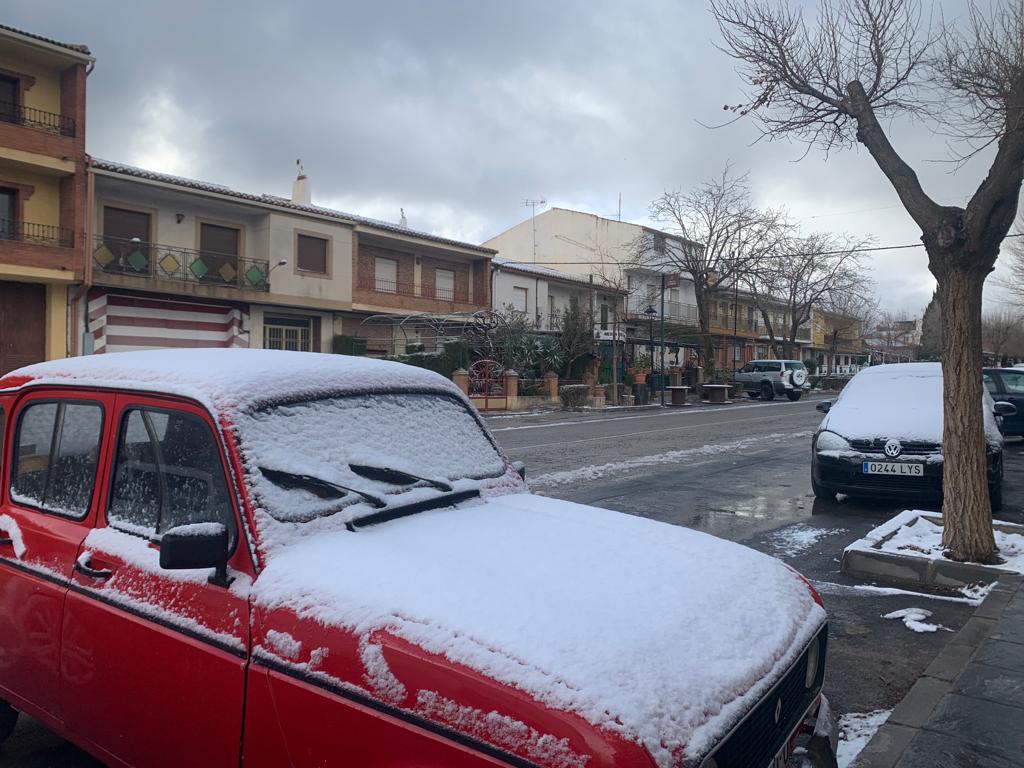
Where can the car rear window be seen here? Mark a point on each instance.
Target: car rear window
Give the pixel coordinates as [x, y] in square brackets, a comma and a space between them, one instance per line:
[794, 366]
[776, 366]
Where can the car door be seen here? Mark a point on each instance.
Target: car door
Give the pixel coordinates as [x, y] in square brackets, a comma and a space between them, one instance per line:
[53, 452]
[1011, 391]
[153, 661]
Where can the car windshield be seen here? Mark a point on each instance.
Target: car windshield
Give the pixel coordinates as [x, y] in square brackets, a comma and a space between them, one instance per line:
[292, 451]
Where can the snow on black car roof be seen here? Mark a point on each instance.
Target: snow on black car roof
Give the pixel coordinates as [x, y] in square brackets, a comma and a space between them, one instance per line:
[227, 379]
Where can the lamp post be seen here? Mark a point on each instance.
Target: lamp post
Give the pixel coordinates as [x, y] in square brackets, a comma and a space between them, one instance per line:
[651, 312]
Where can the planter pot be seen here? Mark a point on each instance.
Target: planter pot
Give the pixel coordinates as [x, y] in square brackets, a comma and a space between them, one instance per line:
[639, 378]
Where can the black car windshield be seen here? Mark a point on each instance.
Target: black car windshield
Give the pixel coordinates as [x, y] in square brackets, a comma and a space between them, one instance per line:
[426, 440]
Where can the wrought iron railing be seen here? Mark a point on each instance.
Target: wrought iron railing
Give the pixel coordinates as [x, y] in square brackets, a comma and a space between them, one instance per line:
[42, 234]
[401, 288]
[675, 311]
[51, 122]
[118, 256]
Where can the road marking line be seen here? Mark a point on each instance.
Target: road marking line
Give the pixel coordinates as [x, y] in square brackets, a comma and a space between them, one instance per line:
[636, 434]
[648, 416]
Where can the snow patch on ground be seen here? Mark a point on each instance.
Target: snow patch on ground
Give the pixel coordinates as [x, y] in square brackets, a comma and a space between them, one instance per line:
[797, 539]
[914, 619]
[597, 471]
[9, 526]
[855, 731]
[831, 588]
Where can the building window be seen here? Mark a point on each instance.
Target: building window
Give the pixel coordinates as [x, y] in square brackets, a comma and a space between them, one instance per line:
[8, 213]
[520, 299]
[385, 274]
[444, 284]
[126, 234]
[629, 283]
[220, 248]
[311, 254]
[9, 88]
[297, 334]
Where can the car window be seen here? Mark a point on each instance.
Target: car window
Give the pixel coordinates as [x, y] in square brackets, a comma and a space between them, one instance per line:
[1013, 381]
[56, 452]
[989, 382]
[749, 367]
[168, 472]
[794, 366]
[771, 367]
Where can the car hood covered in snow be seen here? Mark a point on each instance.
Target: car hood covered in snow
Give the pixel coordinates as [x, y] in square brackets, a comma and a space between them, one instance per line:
[661, 634]
[902, 401]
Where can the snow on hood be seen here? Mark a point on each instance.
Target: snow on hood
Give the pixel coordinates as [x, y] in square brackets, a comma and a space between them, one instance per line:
[661, 633]
[901, 400]
[223, 379]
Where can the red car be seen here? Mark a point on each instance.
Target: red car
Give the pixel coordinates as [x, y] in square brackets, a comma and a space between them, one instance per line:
[228, 557]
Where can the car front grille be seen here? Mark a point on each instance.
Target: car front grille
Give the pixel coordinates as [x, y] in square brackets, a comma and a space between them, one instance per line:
[759, 736]
[910, 447]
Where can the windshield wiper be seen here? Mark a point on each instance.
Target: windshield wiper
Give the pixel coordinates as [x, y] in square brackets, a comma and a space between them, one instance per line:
[324, 489]
[386, 515]
[396, 476]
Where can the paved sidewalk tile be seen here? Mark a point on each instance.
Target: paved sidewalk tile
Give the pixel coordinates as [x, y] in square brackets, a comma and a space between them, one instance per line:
[1000, 653]
[994, 684]
[988, 723]
[939, 750]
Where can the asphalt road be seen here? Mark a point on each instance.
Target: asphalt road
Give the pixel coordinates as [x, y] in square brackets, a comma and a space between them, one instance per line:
[740, 472]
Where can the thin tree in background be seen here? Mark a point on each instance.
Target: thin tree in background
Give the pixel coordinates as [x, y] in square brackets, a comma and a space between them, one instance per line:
[832, 83]
[999, 329]
[723, 235]
[931, 330]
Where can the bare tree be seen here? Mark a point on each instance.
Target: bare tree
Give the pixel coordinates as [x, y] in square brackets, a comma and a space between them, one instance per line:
[931, 330]
[999, 329]
[723, 235]
[807, 275]
[894, 336]
[831, 83]
[850, 315]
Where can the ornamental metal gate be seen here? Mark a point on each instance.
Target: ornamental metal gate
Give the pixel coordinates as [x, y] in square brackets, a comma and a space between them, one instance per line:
[486, 390]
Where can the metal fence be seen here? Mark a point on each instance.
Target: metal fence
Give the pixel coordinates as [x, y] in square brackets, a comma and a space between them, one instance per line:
[51, 122]
[42, 234]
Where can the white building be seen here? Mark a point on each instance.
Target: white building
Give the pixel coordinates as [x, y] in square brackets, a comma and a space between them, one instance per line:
[544, 294]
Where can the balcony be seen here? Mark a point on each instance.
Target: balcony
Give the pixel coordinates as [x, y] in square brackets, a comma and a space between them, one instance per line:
[58, 125]
[675, 311]
[39, 234]
[117, 256]
[395, 288]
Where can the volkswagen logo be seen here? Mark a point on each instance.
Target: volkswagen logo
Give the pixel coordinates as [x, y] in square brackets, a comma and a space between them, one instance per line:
[893, 448]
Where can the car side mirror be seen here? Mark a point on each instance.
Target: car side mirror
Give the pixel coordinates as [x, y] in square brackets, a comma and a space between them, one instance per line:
[824, 406]
[1003, 408]
[520, 468]
[199, 545]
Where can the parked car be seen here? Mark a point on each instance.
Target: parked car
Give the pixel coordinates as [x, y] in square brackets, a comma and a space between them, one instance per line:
[768, 378]
[1007, 385]
[224, 557]
[882, 436]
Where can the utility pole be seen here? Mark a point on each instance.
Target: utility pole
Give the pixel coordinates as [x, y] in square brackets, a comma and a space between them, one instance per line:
[663, 338]
[735, 312]
[532, 205]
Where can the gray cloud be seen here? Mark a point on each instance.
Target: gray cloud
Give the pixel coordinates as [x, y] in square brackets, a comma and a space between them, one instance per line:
[457, 110]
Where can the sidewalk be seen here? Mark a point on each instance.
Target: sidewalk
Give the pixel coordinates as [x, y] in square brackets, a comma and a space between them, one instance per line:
[967, 709]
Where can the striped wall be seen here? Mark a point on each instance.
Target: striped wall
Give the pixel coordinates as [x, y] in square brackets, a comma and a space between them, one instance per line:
[124, 322]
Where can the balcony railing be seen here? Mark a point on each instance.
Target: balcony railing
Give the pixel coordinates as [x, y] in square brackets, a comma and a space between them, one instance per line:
[51, 122]
[41, 234]
[401, 288]
[118, 256]
[675, 311]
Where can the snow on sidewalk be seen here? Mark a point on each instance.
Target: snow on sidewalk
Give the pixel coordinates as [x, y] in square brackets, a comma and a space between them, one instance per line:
[797, 539]
[855, 731]
[598, 471]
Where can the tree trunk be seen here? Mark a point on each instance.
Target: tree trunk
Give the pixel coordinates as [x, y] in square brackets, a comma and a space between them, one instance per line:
[967, 513]
[704, 322]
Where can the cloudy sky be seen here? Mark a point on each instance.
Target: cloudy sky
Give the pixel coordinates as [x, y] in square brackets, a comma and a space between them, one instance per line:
[458, 110]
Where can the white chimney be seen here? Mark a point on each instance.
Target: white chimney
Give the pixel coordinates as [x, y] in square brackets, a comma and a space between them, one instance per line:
[300, 187]
[402, 221]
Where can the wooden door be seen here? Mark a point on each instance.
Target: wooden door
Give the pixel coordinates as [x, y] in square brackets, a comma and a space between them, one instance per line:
[22, 325]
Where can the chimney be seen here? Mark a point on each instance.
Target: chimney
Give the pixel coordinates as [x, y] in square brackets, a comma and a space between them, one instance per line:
[300, 187]
[402, 221]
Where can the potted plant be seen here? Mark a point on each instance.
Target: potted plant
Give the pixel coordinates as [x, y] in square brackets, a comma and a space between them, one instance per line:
[641, 367]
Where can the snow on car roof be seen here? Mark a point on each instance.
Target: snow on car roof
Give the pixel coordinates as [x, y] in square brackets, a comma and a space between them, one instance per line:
[226, 379]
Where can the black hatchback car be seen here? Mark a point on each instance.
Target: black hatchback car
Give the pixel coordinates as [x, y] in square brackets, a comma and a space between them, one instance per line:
[882, 437]
[1007, 385]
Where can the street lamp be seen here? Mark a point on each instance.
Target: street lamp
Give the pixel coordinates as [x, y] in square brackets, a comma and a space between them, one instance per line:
[651, 312]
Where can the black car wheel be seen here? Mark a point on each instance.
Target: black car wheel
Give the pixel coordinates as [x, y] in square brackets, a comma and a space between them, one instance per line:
[793, 396]
[767, 391]
[8, 719]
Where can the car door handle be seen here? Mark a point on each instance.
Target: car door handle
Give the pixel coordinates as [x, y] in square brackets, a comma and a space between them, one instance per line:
[93, 573]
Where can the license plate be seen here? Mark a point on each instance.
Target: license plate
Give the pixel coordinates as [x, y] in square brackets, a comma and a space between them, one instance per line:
[781, 760]
[898, 468]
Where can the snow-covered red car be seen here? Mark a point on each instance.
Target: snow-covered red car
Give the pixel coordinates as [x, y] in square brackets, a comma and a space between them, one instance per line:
[228, 557]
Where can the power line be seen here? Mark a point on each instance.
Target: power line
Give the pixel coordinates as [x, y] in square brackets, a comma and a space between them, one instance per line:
[867, 249]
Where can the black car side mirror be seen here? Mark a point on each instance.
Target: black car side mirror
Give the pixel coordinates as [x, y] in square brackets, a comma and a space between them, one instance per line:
[824, 406]
[1003, 408]
[199, 545]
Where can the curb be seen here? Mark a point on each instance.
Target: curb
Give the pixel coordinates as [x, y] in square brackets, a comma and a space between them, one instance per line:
[909, 717]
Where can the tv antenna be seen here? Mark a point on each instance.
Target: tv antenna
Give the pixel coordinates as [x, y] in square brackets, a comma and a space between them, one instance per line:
[532, 205]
